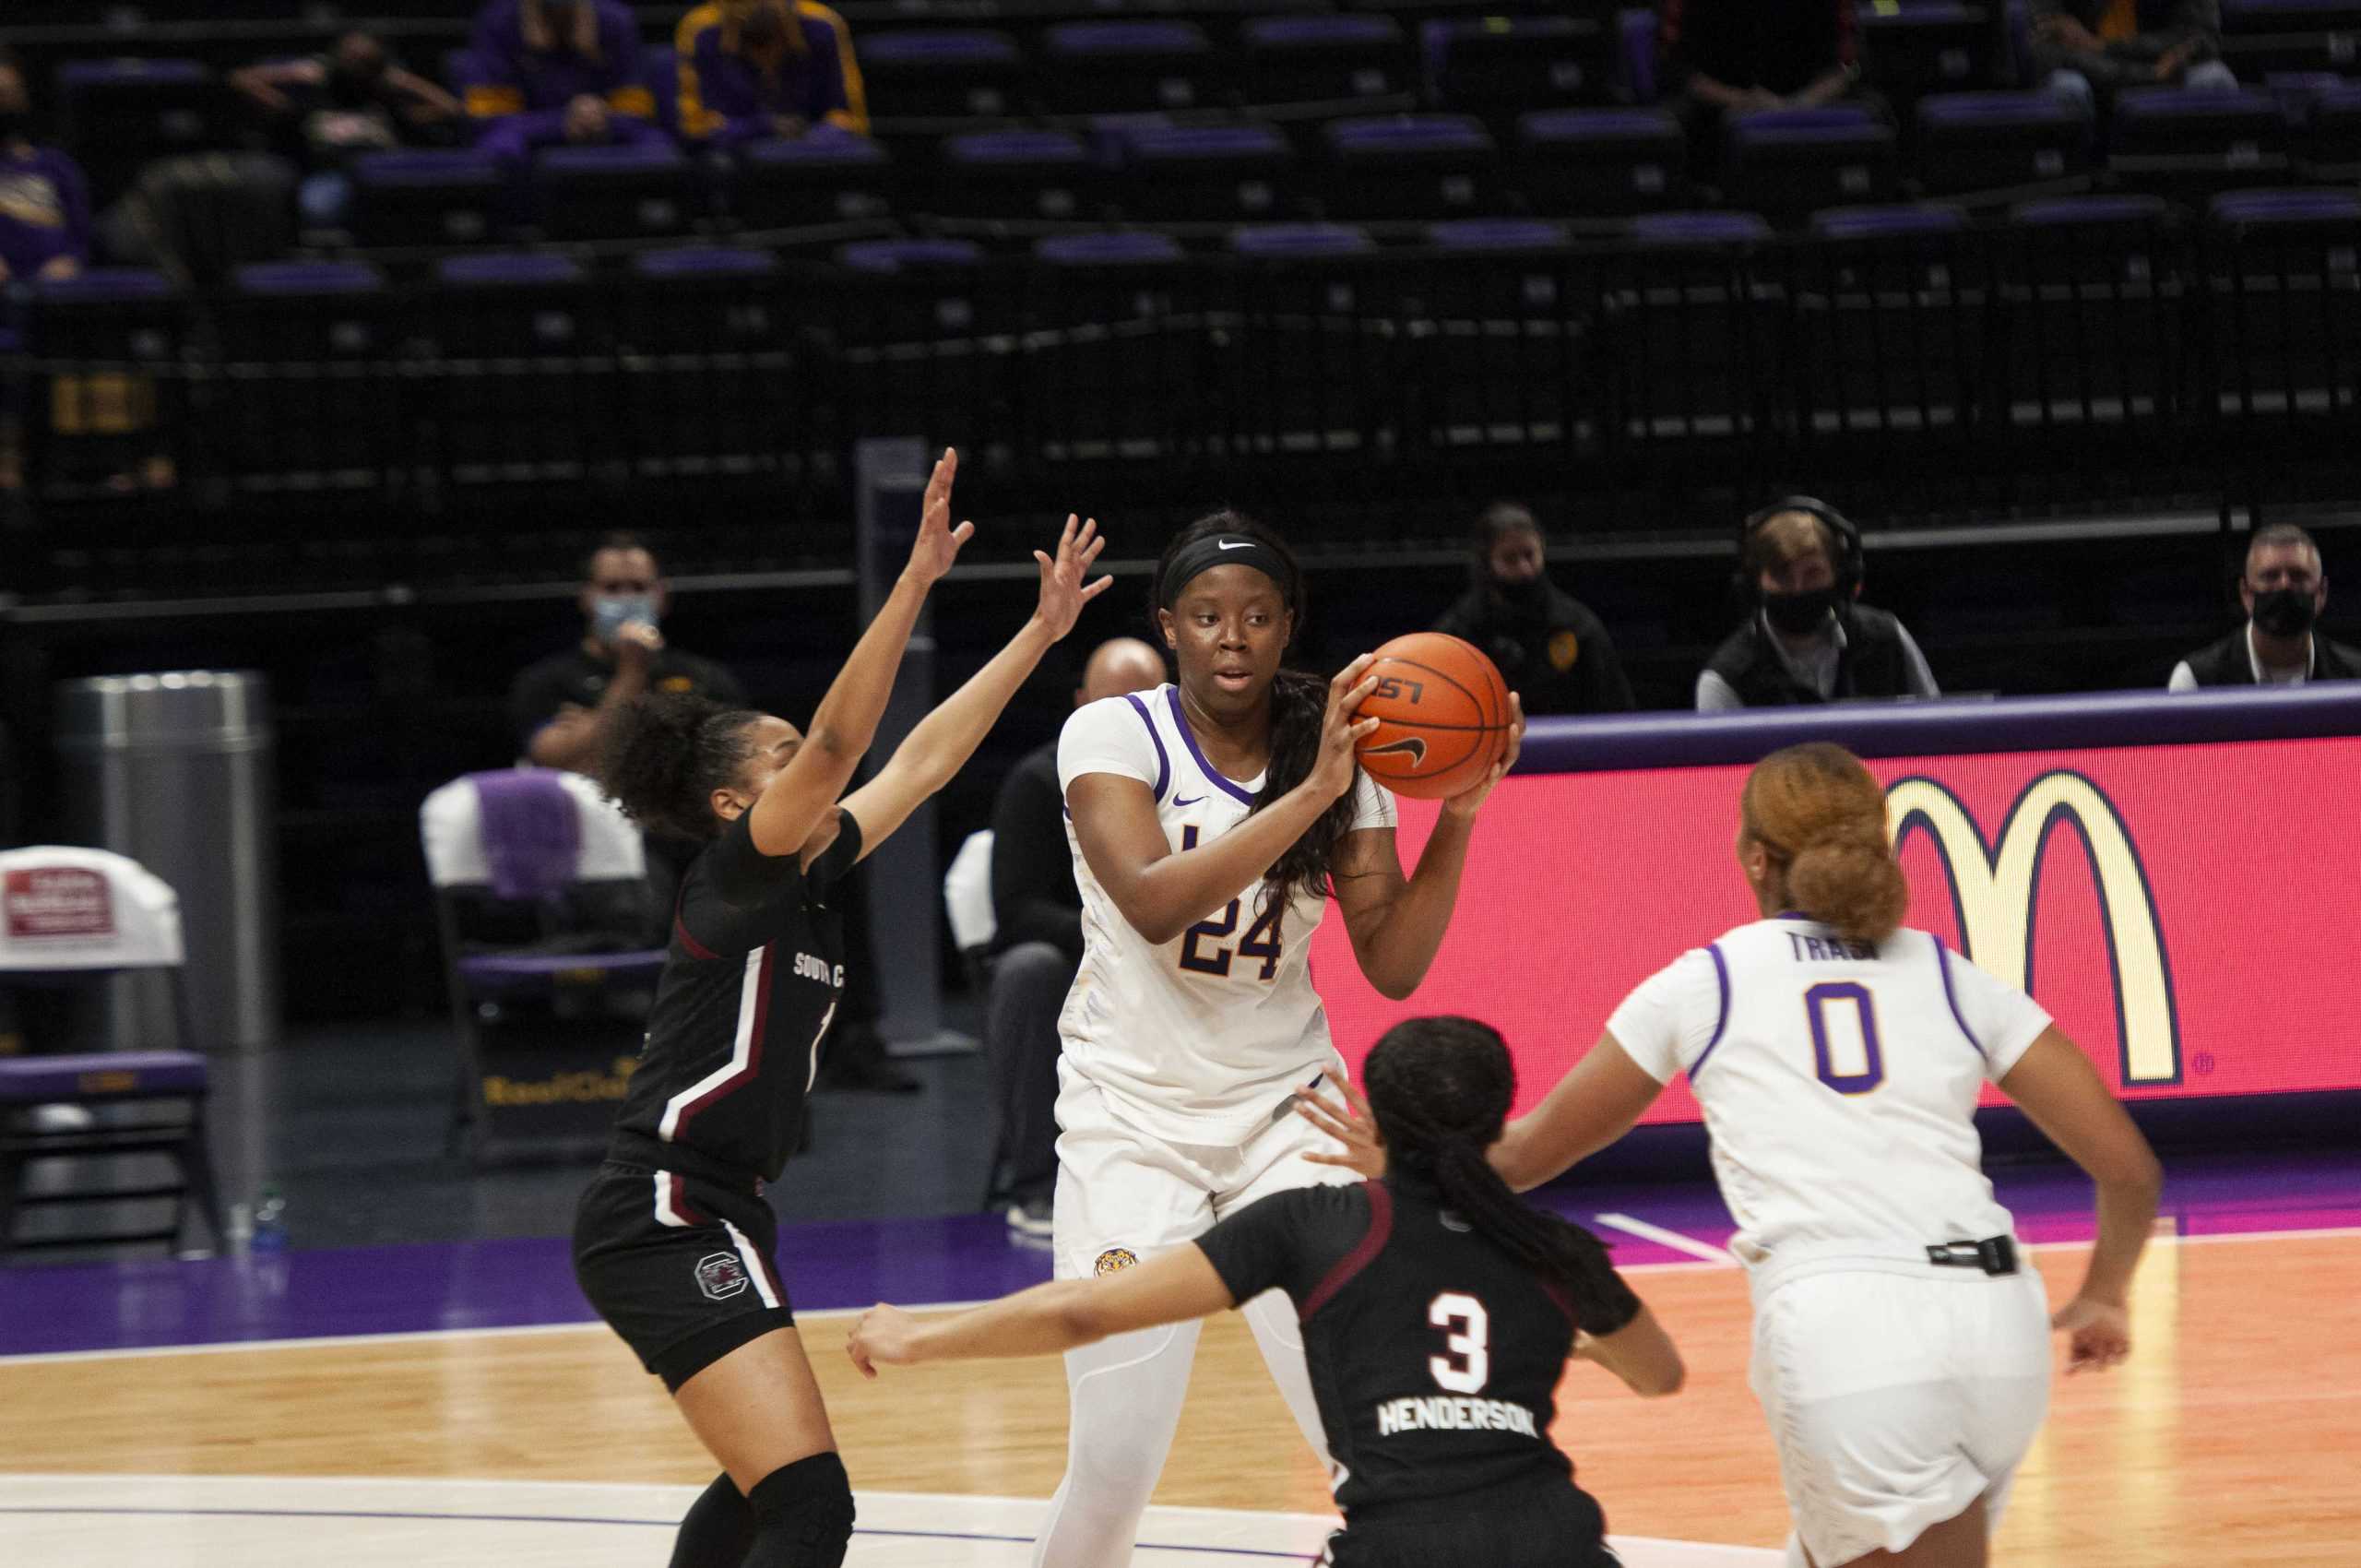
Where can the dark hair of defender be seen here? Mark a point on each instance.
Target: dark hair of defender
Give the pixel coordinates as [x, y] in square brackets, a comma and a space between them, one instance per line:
[1298, 705]
[665, 753]
[1441, 1091]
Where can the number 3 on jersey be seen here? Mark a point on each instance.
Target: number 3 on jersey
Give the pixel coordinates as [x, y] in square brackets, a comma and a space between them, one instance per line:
[1262, 940]
[1466, 1364]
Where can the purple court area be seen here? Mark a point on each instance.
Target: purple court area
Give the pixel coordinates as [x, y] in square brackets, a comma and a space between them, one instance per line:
[425, 1288]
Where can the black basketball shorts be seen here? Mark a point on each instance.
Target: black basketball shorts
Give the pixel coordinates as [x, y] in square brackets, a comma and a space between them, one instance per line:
[1551, 1526]
[681, 1267]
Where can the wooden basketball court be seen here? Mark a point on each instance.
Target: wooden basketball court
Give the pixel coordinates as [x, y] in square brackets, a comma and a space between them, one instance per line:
[2232, 1438]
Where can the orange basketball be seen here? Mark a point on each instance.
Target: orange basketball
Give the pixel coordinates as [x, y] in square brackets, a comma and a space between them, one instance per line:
[1445, 713]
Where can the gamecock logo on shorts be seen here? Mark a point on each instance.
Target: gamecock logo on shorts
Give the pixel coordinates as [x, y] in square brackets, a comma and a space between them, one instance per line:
[720, 1275]
[1114, 1260]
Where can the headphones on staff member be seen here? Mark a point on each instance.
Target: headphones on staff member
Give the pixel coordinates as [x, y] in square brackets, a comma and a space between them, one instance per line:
[1841, 530]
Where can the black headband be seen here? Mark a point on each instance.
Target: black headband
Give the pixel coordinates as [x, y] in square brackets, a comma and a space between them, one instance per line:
[1226, 550]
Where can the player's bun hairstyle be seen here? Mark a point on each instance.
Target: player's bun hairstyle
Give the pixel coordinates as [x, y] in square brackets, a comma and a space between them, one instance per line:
[1821, 816]
[667, 753]
[1441, 1089]
[1299, 704]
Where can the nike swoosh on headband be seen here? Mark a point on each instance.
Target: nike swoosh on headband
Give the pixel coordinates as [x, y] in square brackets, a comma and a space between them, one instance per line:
[1241, 544]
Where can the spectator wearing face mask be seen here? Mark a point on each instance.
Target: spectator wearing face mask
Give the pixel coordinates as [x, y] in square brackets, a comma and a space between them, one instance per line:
[2283, 591]
[1553, 652]
[756, 68]
[334, 107]
[562, 704]
[1808, 640]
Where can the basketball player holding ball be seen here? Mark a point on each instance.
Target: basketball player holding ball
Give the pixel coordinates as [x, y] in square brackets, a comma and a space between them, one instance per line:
[1209, 819]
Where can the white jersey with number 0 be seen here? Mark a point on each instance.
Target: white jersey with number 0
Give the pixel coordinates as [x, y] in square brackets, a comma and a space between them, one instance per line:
[1197, 1039]
[1839, 1082]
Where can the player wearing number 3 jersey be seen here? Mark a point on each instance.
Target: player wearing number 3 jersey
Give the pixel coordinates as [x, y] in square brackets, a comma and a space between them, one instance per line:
[1438, 1315]
[1210, 819]
[1900, 1345]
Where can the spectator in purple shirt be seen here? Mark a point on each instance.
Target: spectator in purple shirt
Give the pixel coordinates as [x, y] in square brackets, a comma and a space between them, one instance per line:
[559, 71]
[753, 68]
[44, 201]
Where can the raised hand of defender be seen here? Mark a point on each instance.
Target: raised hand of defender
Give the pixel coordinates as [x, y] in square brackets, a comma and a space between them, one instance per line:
[2098, 1334]
[1340, 732]
[881, 1338]
[1349, 1122]
[1062, 592]
[1468, 801]
[938, 542]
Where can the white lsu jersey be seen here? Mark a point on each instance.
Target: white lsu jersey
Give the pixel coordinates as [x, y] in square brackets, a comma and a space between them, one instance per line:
[1197, 1039]
[1839, 1081]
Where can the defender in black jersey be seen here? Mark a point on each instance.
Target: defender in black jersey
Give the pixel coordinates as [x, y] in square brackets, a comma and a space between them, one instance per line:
[1438, 1310]
[673, 1240]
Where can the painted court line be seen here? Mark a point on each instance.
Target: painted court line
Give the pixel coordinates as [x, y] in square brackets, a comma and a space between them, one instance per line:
[1663, 1238]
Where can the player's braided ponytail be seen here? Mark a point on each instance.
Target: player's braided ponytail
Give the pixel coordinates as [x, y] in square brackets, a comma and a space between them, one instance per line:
[1821, 816]
[664, 754]
[1441, 1091]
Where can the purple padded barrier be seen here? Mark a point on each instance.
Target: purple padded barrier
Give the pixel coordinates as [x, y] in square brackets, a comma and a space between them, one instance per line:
[2142, 209]
[2258, 208]
[1017, 147]
[501, 269]
[1910, 220]
[39, 1080]
[75, 75]
[1108, 250]
[1148, 146]
[531, 833]
[628, 158]
[944, 48]
[704, 261]
[826, 147]
[308, 278]
[1082, 41]
[1942, 728]
[896, 256]
[519, 968]
[1595, 124]
[1699, 229]
[1497, 235]
[1286, 240]
[1999, 110]
[102, 285]
[1318, 32]
[462, 168]
[1394, 136]
[1837, 122]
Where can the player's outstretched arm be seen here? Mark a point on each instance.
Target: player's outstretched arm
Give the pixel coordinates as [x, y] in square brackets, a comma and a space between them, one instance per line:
[1592, 1105]
[1397, 922]
[946, 738]
[2054, 1083]
[781, 820]
[1172, 1287]
[1162, 892]
[1641, 1353]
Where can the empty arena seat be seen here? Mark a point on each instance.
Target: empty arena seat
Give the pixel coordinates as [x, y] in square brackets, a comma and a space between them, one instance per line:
[1992, 141]
[927, 337]
[1114, 67]
[615, 193]
[427, 198]
[313, 347]
[1315, 373]
[1788, 162]
[2185, 143]
[1496, 65]
[1223, 173]
[1925, 46]
[1410, 166]
[78, 918]
[2284, 272]
[1324, 59]
[1031, 174]
[708, 384]
[907, 256]
[943, 71]
[1490, 235]
[508, 401]
[825, 176]
[106, 386]
[1610, 161]
[1494, 351]
[2091, 316]
[2260, 36]
[1124, 248]
[120, 115]
[1120, 345]
[2329, 143]
[1687, 330]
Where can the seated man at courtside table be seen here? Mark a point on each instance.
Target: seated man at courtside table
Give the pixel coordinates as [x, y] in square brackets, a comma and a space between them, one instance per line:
[2283, 591]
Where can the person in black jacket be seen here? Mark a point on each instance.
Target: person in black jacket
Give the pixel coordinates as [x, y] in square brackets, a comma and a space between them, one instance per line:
[1809, 640]
[1554, 653]
[2283, 591]
[1037, 943]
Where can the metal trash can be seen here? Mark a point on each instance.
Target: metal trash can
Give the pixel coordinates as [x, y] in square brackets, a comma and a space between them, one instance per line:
[174, 770]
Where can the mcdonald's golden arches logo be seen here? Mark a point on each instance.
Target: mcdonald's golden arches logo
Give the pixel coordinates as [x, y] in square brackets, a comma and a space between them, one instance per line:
[1995, 892]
